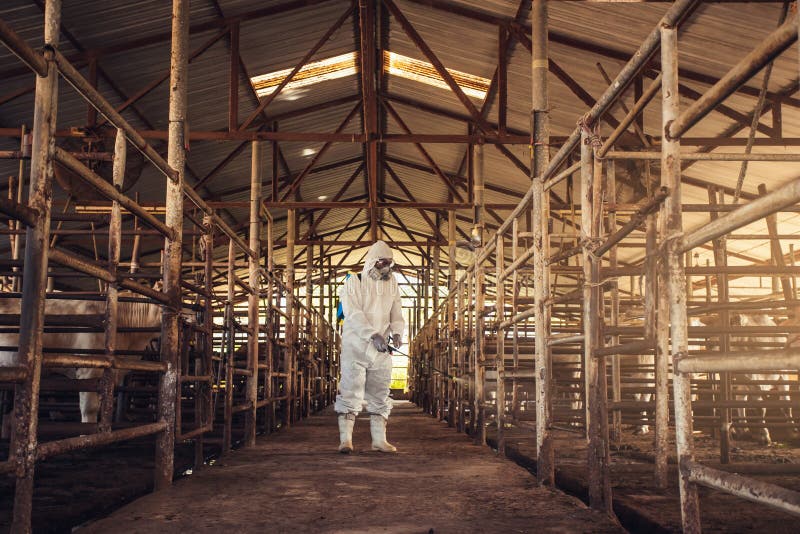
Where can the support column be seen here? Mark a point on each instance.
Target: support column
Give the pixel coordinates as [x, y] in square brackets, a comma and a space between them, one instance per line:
[230, 349]
[270, 321]
[290, 317]
[594, 367]
[721, 261]
[176, 159]
[253, 299]
[34, 283]
[672, 241]
[480, 298]
[111, 316]
[615, 432]
[206, 405]
[540, 205]
[500, 355]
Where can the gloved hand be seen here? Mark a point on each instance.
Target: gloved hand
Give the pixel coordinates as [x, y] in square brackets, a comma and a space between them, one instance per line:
[379, 342]
[397, 340]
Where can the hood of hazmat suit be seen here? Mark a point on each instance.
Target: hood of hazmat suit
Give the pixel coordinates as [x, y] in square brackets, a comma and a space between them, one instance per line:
[371, 305]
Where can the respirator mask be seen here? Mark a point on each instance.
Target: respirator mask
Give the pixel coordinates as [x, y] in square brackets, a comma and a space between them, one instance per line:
[382, 269]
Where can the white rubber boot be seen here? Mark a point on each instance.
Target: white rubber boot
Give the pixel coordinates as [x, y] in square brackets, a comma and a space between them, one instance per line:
[377, 427]
[346, 423]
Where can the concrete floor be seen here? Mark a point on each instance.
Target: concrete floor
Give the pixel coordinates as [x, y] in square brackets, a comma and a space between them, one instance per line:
[295, 481]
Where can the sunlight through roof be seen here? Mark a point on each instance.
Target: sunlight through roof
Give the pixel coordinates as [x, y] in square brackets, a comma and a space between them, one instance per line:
[347, 64]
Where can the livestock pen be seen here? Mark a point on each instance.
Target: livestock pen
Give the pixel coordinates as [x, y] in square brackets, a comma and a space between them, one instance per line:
[593, 212]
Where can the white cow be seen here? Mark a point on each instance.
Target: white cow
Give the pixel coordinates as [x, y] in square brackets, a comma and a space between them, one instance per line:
[754, 343]
[131, 314]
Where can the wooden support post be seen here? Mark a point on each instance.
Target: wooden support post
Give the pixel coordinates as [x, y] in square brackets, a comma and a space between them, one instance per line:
[540, 126]
[205, 404]
[168, 394]
[500, 354]
[308, 325]
[460, 355]
[480, 299]
[253, 299]
[721, 261]
[594, 366]
[515, 329]
[480, 356]
[230, 349]
[291, 325]
[37, 238]
[656, 323]
[776, 250]
[672, 235]
[615, 431]
[111, 319]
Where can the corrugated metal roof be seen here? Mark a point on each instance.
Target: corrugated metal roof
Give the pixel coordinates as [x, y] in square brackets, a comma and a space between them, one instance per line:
[712, 41]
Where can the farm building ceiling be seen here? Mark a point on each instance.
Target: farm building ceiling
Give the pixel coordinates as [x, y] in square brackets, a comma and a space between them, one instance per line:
[243, 51]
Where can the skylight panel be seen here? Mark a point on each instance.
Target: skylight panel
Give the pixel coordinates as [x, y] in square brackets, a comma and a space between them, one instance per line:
[347, 65]
[420, 71]
[315, 72]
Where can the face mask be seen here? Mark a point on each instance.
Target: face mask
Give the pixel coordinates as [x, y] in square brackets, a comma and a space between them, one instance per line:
[381, 270]
[380, 274]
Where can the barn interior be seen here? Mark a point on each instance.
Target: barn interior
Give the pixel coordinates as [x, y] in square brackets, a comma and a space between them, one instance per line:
[593, 207]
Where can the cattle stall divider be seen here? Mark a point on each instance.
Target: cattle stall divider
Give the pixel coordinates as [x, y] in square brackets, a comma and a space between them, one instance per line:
[565, 339]
[290, 362]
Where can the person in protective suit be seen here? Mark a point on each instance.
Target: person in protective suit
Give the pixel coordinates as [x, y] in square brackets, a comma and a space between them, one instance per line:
[372, 311]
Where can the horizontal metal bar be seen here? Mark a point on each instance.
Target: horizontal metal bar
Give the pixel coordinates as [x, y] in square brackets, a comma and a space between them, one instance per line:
[19, 212]
[93, 96]
[522, 258]
[759, 208]
[62, 446]
[642, 346]
[704, 156]
[111, 192]
[194, 433]
[13, 373]
[775, 43]
[746, 488]
[92, 269]
[634, 222]
[32, 58]
[750, 361]
[565, 339]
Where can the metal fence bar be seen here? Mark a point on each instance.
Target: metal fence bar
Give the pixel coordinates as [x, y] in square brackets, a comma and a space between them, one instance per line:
[34, 284]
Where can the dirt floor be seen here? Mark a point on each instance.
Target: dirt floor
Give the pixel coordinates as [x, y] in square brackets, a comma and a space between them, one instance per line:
[73, 488]
[295, 481]
[641, 507]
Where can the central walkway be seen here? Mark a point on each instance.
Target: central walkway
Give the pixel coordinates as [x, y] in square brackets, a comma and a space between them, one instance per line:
[295, 481]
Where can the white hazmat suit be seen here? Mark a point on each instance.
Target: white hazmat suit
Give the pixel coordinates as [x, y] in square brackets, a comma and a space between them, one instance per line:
[371, 306]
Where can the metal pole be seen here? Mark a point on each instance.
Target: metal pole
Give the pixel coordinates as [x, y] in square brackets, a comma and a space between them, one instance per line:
[271, 326]
[230, 349]
[500, 354]
[770, 48]
[291, 326]
[34, 282]
[615, 433]
[675, 279]
[255, 292]
[168, 394]
[545, 466]
[480, 299]
[205, 406]
[111, 320]
[593, 370]
[721, 260]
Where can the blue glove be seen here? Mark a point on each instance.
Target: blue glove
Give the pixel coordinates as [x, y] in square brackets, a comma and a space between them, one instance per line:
[379, 342]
